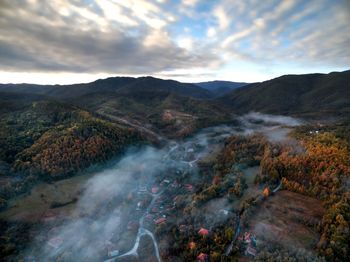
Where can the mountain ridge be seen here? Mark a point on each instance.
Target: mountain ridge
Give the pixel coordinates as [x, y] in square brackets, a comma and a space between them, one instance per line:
[294, 94]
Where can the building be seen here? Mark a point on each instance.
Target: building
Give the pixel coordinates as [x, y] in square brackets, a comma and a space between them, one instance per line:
[203, 232]
[155, 190]
[192, 245]
[202, 257]
[55, 242]
[266, 192]
[160, 220]
[142, 189]
[189, 187]
[247, 239]
[113, 253]
[250, 251]
[139, 205]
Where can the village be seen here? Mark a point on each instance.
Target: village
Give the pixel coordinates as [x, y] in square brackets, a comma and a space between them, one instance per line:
[159, 207]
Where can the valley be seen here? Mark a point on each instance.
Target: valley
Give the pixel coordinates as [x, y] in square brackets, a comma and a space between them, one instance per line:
[155, 195]
[174, 131]
[116, 172]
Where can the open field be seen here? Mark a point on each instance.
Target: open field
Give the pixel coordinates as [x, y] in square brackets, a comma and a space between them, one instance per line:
[46, 201]
[288, 218]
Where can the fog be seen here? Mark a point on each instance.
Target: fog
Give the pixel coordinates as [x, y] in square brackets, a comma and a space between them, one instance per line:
[109, 217]
[274, 119]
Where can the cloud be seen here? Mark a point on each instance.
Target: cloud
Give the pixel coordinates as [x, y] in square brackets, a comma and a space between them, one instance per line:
[222, 17]
[289, 31]
[211, 32]
[189, 2]
[156, 36]
[107, 36]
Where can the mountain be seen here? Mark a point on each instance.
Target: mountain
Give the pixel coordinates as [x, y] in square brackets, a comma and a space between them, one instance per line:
[219, 88]
[304, 95]
[123, 85]
[163, 112]
[151, 105]
[45, 140]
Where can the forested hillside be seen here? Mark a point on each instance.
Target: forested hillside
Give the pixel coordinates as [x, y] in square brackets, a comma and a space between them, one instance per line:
[318, 95]
[43, 139]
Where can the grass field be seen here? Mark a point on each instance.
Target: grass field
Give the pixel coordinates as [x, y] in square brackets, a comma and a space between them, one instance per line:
[288, 218]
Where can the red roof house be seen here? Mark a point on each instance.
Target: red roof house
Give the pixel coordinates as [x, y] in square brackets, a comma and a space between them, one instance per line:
[202, 257]
[160, 220]
[189, 187]
[203, 232]
[155, 189]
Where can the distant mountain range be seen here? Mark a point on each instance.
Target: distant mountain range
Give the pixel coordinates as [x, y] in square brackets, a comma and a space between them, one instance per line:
[121, 85]
[145, 100]
[219, 88]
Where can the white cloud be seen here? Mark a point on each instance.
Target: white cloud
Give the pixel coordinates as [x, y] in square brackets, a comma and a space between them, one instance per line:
[237, 36]
[222, 17]
[157, 38]
[186, 43]
[189, 2]
[211, 32]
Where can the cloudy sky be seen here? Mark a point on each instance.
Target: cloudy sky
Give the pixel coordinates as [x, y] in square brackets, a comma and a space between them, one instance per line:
[68, 41]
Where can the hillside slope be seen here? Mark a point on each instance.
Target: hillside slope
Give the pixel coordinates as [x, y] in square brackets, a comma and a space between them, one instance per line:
[163, 112]
[43, 137]
[305, 95]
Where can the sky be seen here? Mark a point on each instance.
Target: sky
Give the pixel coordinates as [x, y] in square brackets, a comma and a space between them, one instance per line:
[71, 41]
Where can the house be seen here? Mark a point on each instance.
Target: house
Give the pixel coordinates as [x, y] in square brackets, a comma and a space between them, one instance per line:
[250, 251]
[113, 253]
[192, 245]
[142, 189]
[111, 249]
[203, 232]
[189, 187]
[49, 216]
[166, 181]
[202, 257]
[55, 242]
[139, 205]
[247, 239]
[224, 211]
[266, 192]
[160, 221]
[155, 190]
